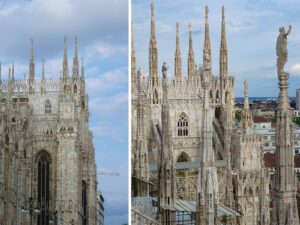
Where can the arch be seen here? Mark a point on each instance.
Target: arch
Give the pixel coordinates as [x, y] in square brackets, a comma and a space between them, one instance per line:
[182, 125]
[75, 89]
[84, 202]
[217, 94]
[183, 157]
[227, 96]
[250, 191]
[48, 107]
[43, 161]
[155, 97]
[211, 94]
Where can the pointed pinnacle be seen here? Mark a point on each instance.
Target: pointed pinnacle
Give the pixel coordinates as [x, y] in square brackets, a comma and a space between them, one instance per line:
[190, 27]
[43, 70]
[223, 12]
[206, 12]
[13, 70]
[82, 68]
[65, 47]
[31, 50]
[177, 35]
[152, 10]
[76, 49]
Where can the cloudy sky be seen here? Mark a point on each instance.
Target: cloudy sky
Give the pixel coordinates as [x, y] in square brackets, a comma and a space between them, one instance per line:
[252, 29]
[101, 27]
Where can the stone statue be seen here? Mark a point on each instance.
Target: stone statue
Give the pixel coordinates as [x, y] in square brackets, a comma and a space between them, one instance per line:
[164, 70]
[281, 48]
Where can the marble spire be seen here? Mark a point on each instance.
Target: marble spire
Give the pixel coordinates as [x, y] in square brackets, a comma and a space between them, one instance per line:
[75, 61]
[178, 70]
[207, 46]
[153, 53]
[191, 56]
[223, 49]
[65, 61]
[133, 64]
[31, 62]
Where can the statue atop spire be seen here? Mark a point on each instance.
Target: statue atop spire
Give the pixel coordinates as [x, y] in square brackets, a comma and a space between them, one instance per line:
[75, 61]
[284, 201]
[191, 57]
[31, 62]
[153, 55]
[223, 49]
[178, 71]
[207, 46]
[281, 49]
[65, 61]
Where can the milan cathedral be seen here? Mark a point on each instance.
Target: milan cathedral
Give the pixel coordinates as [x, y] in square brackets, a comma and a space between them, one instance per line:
[192, 162]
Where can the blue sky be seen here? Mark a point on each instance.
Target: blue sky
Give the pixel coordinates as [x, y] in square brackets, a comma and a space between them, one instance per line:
[101, 27]
[252, 29]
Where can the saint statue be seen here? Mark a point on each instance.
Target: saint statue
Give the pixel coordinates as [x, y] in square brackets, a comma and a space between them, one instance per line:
[164, 70]
[281, 48]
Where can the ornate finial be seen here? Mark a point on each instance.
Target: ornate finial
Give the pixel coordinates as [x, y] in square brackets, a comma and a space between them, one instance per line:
[43, 70]
[223, 12]
[65, 61]
[207, 46]
[32, 49]
[177, 28]
[9, 73]
[82, 68]
[65, 46]
[152, 10]
[13, 71]
[246, 88]
[223, 48]
[191, 57]
[76, 49]
[206, 12]
[31, 62]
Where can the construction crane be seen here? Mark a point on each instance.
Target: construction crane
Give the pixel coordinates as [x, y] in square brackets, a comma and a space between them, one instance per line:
[102, 173]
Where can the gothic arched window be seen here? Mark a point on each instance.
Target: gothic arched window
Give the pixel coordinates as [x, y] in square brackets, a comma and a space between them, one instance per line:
[43, 161]
[84, 203]
[48, 107]
[183, 157]
[75, 89]
[182, 125]
[155, 97]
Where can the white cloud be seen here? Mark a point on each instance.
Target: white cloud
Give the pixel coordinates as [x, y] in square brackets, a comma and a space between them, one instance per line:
[109, 81]
[108, 131]
[5, 11]
[109, 105]
[105, 50]
[295, 69]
